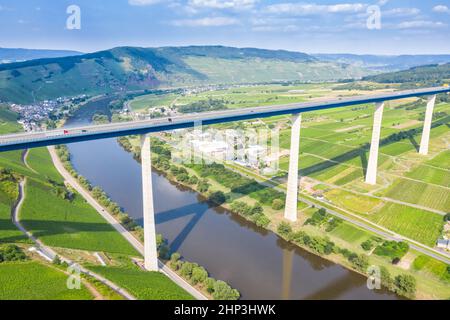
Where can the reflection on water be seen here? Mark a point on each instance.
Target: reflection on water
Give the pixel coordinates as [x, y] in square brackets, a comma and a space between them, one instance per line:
[258, 263]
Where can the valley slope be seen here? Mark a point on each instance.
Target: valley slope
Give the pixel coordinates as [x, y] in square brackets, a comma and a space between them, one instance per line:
[130, 68]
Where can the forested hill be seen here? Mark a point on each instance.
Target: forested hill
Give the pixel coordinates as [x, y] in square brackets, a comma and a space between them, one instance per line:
[423, 75]
[8, 55]
[132, 68]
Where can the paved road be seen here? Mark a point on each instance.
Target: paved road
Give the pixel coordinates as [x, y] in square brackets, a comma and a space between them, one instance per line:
[50, 254]
[93, 132]
[125, 233]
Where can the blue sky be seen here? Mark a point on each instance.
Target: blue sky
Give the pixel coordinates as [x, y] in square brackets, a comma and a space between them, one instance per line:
[308, 26]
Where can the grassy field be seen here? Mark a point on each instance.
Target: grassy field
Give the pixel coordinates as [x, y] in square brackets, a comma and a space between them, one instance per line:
[68, 224]
[143, 285]
[419, 193]
[35, 281]
[40, 160]
[420, 225]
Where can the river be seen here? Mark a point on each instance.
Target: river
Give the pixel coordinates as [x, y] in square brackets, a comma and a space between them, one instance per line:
[255, 261]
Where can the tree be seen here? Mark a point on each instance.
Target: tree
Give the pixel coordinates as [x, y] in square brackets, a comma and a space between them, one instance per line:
[277, 204]
[367, 245]
[217, 198]
[406, 285]
[360, 262]
[199, 275]
[222, 291]
[284, 229]
[186, 269]
[447, 217]
[210, 282]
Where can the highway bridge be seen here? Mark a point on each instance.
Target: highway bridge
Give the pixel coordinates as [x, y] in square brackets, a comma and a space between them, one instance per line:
[144, 128]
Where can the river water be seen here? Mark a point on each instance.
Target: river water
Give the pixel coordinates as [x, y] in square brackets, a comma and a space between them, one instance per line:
[258, 263]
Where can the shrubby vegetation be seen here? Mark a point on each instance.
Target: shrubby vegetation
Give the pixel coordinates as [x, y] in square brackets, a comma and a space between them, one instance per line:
[321, 217]
[8, 183]
[392, 249]
[255, 213]
[11, 252]
[203, 105]
[100, 118]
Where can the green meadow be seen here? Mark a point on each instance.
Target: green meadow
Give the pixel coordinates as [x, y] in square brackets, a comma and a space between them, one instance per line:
[143, 285]
[35, 281]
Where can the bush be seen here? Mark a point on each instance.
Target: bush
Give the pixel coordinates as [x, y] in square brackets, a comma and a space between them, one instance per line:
[203, 185]
[199, 275]
[284, 229]
[392, 249]
[277, 204]
[217, 198]
[261, 220]
[11, 252]
[174, 261]
[359, 262]
[186, 269]
[405, 285]
[210, 282]
[367, 245]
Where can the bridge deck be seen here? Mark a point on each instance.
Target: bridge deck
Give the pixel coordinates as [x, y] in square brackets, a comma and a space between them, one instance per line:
[95, 132]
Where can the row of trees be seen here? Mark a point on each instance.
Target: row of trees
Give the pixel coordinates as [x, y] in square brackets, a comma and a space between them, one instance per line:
[203, 105]
[100, 195]
[197, 275]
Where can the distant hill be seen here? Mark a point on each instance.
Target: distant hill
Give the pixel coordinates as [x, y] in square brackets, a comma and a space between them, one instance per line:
[385, 63]
[132, 68]
[418, 76]
[8, 55]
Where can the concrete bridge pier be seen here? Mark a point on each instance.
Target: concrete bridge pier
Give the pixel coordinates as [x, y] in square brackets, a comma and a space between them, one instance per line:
[427, 125]
[290, 211]
[371, 175]
[150, 250]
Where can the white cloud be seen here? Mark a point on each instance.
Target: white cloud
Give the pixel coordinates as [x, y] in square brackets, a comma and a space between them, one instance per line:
[223, 4]
[206, 22]
[308, 9]
[420, 24]
[441, 8]
[401, 12]
[143, 2]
